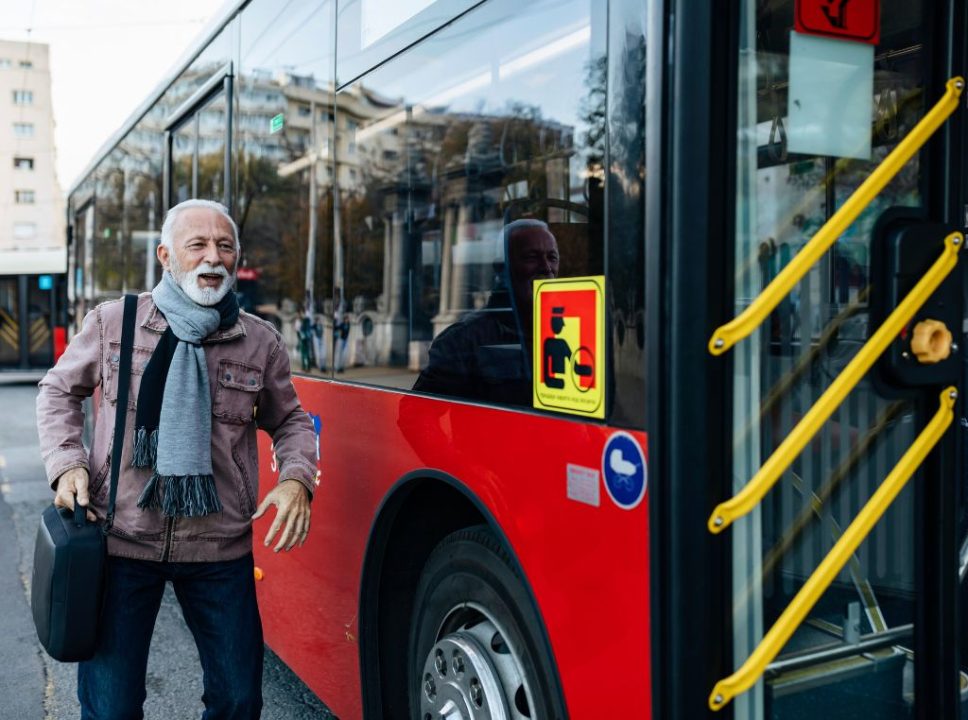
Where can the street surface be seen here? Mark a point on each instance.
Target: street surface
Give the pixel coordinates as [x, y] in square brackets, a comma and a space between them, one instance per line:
[34, 687]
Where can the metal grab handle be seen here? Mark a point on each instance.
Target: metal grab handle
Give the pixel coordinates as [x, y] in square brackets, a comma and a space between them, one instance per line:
[746, 322]
[747, 498]
[828, 569]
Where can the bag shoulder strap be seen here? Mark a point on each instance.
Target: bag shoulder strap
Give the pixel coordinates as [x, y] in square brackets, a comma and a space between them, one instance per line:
[121, 410]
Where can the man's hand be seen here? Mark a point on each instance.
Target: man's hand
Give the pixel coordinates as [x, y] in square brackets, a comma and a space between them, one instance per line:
[73, 482]
[292, 511]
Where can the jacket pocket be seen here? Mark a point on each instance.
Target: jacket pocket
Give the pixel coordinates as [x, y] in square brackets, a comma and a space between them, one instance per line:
[246, 491]
[99, 484]
[139, 361]
[238, 387]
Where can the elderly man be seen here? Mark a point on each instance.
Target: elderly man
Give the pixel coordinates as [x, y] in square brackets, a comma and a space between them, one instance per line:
[487, 354]
[204, 377]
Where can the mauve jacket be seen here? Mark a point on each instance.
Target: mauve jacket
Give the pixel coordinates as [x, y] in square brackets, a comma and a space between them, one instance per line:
[248, 371]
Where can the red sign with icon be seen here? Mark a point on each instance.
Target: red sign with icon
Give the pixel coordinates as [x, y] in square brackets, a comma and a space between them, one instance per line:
[569, 346]
[858, 20]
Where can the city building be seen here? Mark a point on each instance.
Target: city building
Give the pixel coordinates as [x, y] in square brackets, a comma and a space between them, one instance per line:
[32, 229]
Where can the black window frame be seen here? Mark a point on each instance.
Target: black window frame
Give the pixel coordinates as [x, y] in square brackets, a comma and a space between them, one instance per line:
[222, 82]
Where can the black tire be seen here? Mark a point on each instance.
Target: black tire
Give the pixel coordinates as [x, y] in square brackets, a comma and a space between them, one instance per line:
[469, 586]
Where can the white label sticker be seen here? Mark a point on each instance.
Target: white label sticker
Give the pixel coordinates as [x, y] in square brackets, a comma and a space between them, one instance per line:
[830, 99]
[583, 485]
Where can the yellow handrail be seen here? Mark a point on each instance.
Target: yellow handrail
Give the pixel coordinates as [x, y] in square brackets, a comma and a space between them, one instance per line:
[746, 322]
[828, 569]
[747, 498]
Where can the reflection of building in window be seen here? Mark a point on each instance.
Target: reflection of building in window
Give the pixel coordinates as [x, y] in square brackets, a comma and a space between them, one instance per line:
[32, 237]
[425, 205]
[423, 195]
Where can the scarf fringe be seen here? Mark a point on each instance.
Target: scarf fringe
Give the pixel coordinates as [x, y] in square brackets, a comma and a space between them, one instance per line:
[182, 495]
[145, 448]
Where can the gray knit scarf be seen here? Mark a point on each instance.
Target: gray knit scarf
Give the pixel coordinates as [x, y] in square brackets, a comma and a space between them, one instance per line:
[179, 448]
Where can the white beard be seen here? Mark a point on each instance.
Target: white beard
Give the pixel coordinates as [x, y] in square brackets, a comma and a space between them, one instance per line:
[188, 281]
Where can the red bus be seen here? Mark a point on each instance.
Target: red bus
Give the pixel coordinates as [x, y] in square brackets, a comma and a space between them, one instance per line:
[516, 480]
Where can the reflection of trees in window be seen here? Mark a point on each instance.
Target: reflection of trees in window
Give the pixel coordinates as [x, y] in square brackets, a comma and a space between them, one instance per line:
[108, 249]
[211, 175]
[367, 217]
[273, 217]
[594, 115]
[625, 174]
[141, 156]
[421, 230]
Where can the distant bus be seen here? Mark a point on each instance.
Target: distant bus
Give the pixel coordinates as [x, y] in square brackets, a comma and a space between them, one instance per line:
[33, 319]
[528, 539]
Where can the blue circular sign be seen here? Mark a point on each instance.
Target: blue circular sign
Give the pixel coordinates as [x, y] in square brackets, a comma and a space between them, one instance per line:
[624, 470]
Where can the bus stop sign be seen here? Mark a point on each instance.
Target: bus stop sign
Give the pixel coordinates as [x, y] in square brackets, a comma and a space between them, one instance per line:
[857, 20]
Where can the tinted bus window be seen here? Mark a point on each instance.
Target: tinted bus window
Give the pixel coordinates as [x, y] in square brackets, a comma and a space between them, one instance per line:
[284, 173]
[370, 31]
[491, 120]
[625, 105]
[144, 150]
[108, 240]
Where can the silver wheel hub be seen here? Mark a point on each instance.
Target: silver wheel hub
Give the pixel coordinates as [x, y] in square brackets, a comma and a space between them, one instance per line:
[472, 674]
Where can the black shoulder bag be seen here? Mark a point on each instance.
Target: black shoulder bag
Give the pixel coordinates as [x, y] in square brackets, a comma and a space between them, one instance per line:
[70, 552]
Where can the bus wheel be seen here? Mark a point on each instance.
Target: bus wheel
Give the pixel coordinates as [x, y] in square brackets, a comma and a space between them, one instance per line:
[476, 648]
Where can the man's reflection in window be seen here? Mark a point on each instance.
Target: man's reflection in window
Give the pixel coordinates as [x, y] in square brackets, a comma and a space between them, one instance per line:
[487, 354]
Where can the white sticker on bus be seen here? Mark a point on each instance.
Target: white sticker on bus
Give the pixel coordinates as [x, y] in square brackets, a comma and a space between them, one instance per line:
[583, 485]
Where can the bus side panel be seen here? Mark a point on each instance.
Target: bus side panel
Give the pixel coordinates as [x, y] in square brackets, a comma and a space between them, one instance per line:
[587, 565]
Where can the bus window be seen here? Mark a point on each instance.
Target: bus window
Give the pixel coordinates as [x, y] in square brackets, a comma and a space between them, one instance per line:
[284, 160]
[182, 162]
[370, 31]
[493, 120]
[108, 238]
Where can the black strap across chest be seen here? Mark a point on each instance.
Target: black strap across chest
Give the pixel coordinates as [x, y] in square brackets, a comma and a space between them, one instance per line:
[121, 410]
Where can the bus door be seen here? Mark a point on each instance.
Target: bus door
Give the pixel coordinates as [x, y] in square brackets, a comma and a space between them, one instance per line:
[28, 312]
[10, 321]
[838, 521]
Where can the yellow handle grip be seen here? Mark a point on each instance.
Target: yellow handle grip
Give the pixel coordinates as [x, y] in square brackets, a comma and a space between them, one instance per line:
[746, 322]
[828, 569]
[747, 498]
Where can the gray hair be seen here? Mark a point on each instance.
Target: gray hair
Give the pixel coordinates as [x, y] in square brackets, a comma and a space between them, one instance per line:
[168, 227]
[522, 224]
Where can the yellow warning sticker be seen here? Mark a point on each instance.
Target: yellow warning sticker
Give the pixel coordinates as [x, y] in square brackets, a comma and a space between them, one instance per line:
[569, 346]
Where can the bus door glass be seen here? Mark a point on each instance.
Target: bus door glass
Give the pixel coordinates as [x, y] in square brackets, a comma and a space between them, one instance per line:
[816, 116]
[40, 319]
[9, 322]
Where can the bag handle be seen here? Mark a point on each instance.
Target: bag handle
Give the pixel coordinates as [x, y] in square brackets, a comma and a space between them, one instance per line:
[121, 411]
[80, 514]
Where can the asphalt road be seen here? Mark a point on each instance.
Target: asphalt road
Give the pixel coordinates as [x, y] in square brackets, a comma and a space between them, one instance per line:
[34, 687]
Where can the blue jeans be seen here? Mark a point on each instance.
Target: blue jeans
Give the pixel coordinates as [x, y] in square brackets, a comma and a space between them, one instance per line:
[219, 605]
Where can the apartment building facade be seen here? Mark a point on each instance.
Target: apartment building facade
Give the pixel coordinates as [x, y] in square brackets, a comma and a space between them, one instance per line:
[32, 229]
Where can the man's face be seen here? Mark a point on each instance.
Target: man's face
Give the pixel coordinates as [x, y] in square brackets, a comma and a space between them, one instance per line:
[534, 256]
[204, 255]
